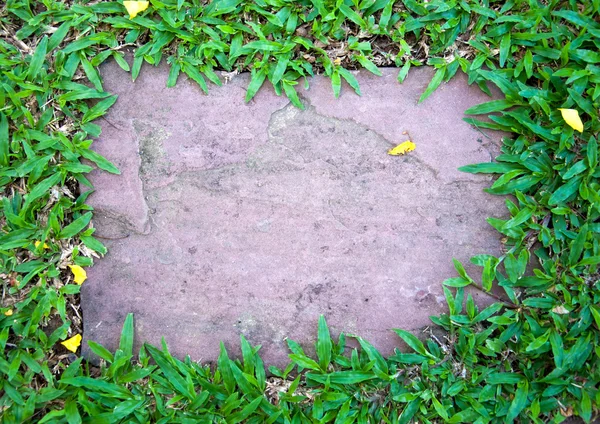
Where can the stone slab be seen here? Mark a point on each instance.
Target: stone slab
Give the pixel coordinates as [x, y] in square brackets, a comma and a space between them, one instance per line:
[233, 218]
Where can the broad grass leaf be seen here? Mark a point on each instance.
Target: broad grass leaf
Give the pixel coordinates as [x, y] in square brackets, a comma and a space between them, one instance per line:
[504, 49]
[223, 364]
[350, 79]
[513, 268]
[576, 18]
[490, 168]
[75, 227]
[577, 168]
[71, 412]
[416, 7]
[98, 386]
[404, 71]
[538, 343]
[40, 190]
[256, 81]
[468, 415]
[336, 83]
[456, 282]
[121, 61]
[577, 246]
[246, 411]
[137, 66]
[91, 72]
[439, 408]
[247, 355]
[59, 35]
[503, 378]
[280, 69]
[565, 192]
[126, 408]
[591, 260]
[304, 361]
[519, 402]
[408, 358]
[80, 44]
[488, 312]
[592, 152]
[99, 109]
[586, 406]
[4, 143]
[126, 341]
[489, 273]
[412, 341]
[489, 107]
[100, 161]
[81, 93]
[374, 355]
[521, 217]
[37, 60]
[324, 345]
[342, 377]
[195, 75]
[352, 15]
[461, 270]
[292, 94]
[93, 244]
[558, 349]
[137, 374]
[386, 14]
[101, 351]
[242, 381]
[368, 65]
[528, 63]
[173, 74]
[507, 87]
[409, 411]
[521, 184]
[489, 125]
[437, 79]
[173, 377]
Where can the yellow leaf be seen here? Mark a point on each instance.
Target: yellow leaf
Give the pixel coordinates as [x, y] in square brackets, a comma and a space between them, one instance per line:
[402, 148]
[73, 343]
[8, 313]
[135, 7]
[571, 117]
[79, 274]
[37, 243]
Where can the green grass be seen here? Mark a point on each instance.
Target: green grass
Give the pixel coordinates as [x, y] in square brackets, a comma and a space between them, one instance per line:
[533, 358]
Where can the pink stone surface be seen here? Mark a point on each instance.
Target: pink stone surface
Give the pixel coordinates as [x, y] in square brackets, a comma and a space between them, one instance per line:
[233, 218]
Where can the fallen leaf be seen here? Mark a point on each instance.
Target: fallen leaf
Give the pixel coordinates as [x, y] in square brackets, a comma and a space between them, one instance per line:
[73, 343]
[79, 274]
[402, 148]
[571, 117]
[566, 412]
[135, 7]
[37, 243]
[8, 313]
[560, 309]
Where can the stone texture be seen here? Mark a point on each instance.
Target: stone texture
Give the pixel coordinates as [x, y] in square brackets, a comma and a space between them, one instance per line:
[256, 218]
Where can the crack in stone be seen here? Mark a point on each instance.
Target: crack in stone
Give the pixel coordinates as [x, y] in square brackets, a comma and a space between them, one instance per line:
[274, 126]
[124, 225]
[337, 219]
